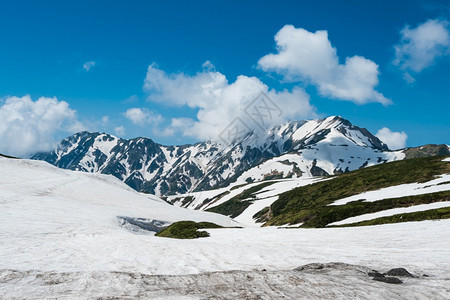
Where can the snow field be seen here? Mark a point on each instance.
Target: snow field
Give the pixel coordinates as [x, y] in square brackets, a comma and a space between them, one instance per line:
[60, 237]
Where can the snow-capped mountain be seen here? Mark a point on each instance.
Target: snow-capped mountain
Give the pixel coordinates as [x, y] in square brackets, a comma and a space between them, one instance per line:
[296, 149]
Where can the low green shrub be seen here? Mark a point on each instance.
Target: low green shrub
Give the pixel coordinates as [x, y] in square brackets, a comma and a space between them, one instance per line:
[187, 230]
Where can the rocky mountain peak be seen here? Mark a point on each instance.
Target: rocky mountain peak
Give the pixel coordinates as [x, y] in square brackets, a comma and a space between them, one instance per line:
[325, 146]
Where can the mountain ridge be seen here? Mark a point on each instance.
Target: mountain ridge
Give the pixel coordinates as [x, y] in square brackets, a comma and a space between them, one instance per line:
[310, 148]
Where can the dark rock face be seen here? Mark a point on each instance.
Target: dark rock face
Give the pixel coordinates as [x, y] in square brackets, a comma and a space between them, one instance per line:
[399, 272]
[392, 280]
[402, 272]
[375, 273]
[166, 170]
[427, 150]
[312, 266]
[316, 171]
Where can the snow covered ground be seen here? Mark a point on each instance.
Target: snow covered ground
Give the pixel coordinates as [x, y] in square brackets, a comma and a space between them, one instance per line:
[440, 184]
[60, 237]
[47, 197]
[323, 281]
[392, 212]
[112, 264]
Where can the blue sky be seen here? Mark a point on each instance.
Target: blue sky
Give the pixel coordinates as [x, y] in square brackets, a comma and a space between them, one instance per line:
[95, 55]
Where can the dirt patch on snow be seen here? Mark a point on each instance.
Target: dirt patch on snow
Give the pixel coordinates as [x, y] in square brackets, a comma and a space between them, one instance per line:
[314, 281]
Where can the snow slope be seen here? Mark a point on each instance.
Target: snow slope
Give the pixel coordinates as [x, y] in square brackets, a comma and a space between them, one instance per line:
[440, 184]
[392, 212]
[60, 237]
[97, 265]
[49, 199]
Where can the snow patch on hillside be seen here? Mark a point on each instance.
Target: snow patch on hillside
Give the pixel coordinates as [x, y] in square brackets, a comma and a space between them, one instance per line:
[440, 184]
[392, 212]
[269, 195]
[246, 218]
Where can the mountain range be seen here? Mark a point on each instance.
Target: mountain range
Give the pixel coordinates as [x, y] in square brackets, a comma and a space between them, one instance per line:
[295, 149]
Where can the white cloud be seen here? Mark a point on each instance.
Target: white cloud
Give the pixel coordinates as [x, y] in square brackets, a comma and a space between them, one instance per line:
[142, 116]
[218, 101]
[408, 78]
[131, 99]
[208, 66]
[29, 126]
[394, 140]
[419, 47]
[309, 56]
[120, 131]
[88, 65]
[105, 120]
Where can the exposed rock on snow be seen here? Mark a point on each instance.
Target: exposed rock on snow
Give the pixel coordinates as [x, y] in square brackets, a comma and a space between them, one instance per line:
[142, 225]
[399, 272]
[386, 279]
[314, 281]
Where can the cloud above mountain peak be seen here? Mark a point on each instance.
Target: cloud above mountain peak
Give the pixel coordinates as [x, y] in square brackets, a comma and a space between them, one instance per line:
[310, 57]
[219, 102]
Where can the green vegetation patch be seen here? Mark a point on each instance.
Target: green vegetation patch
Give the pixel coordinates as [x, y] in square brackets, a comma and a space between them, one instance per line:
[260, 215]
[235, 206]
[231, 208]
[213, 199]
[432, 214]
[187, 230]
[309, 204]
[329, 214]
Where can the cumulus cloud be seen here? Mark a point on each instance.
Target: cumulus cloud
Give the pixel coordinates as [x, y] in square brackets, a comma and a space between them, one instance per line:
[219, 102]
[88, 65]
[420, 47]
[142, 116]
[29, 126]
[394, 140]
[310, 57]
[119, 130]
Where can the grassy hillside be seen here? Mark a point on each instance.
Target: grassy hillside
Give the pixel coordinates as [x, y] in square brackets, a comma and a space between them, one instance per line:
[309, 204]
